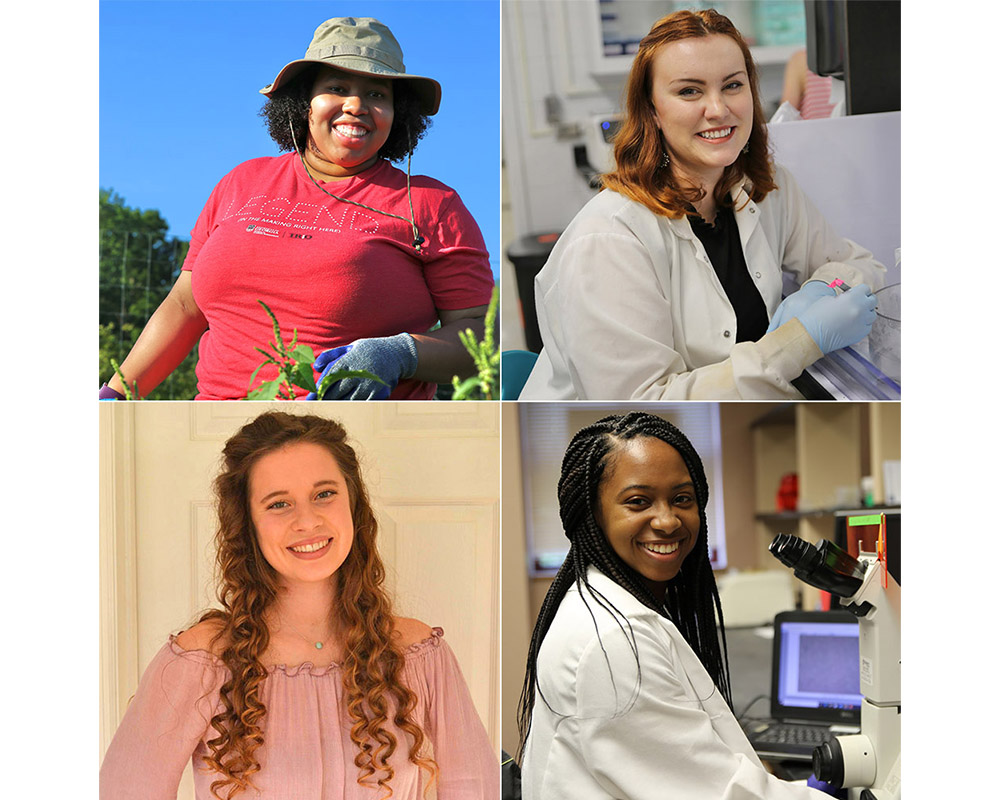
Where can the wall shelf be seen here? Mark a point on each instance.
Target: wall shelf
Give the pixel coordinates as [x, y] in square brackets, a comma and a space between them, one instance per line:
[829, 446]
[778, 517]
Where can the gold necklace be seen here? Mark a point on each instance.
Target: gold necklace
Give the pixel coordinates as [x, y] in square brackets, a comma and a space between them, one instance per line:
[317, 644]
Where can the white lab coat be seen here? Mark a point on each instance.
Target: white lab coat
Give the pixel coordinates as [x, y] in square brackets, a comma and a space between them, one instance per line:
[613, 732]
[629, 306]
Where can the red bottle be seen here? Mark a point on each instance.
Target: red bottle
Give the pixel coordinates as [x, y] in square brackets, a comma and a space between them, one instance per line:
[787, 498]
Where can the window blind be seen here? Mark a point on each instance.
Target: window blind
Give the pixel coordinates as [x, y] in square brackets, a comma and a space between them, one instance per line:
[546, 429]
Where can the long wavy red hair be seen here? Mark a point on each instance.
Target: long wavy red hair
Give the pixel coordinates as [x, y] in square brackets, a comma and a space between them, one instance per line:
[639, 174]
[372, 663]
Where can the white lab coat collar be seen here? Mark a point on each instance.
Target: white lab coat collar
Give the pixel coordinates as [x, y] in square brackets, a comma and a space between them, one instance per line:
[745, 218]
[622, 598]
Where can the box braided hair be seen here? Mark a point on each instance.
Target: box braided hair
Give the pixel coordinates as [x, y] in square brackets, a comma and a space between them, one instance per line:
[692, 599]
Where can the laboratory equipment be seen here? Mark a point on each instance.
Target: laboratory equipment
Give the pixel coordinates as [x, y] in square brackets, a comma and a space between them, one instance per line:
[846, 374]
[596, 155]
[867, 763]
[884, 339]
[859, 43]
[599, 136]
[849, 168]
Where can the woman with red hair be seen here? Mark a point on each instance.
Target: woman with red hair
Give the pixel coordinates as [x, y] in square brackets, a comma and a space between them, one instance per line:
[668, 284]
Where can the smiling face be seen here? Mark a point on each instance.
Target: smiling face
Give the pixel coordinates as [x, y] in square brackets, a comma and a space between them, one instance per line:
[301, 510]
[703, 106]
[647, 509]
[350, 117]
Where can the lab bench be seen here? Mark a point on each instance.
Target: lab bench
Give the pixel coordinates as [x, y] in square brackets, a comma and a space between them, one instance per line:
[750, 676]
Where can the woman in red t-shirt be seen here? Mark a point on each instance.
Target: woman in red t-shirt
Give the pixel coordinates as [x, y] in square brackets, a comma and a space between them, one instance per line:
[361, 259]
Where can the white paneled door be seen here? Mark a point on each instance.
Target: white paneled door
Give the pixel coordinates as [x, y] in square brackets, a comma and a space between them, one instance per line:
[433, 473]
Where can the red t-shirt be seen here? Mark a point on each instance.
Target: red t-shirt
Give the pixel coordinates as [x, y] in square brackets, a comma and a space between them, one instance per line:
[330, 270]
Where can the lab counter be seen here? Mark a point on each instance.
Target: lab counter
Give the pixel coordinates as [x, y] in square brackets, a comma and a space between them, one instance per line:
[750, 667]
[750, 651]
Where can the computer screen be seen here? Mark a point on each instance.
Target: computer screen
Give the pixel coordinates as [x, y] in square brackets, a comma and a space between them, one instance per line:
[819, 665]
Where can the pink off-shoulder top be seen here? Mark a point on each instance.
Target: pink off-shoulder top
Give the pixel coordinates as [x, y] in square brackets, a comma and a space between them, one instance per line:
[307, 753]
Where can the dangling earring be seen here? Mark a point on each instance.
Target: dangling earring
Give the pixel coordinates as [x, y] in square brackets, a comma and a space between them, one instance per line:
[666, 159]
[746, 147]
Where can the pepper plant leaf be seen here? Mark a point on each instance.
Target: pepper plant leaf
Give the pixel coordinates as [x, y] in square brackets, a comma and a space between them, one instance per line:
[266, 391]
[302, 375]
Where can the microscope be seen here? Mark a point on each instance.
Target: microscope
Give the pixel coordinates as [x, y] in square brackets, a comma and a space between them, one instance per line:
[867, 763]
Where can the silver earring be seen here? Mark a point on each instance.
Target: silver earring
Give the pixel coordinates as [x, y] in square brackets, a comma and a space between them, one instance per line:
[746, 147]
[666, 159]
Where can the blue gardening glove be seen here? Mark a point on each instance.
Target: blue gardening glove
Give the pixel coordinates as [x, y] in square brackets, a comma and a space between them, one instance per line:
[836, 322]
[388, 357]
[799, 301]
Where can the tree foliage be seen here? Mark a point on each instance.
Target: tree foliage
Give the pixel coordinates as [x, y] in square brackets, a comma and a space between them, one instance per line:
[139, 263]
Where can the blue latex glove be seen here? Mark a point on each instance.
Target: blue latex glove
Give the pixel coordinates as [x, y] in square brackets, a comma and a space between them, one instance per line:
[799, 301]
[388, 357]
[823, 786]
[836, 322]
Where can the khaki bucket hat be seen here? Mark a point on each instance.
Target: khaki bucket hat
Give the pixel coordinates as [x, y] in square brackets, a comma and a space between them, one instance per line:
[364, 46]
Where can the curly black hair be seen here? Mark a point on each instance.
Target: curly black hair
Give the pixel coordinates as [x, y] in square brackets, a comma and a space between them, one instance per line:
[291, 101]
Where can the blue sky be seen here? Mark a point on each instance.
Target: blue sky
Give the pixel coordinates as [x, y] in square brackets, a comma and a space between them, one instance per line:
[179, 99]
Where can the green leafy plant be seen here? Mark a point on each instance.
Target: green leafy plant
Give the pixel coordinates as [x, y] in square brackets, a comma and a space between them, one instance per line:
[295, 368]
[130, 393]
[486, 355]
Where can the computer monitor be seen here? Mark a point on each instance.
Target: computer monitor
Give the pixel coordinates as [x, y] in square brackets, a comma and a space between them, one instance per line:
[817, 674]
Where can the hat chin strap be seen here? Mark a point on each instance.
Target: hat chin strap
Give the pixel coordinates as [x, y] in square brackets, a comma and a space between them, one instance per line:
[418, 240]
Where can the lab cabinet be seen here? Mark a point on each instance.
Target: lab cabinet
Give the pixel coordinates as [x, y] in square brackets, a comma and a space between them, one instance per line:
[774, 29]
[829, 447]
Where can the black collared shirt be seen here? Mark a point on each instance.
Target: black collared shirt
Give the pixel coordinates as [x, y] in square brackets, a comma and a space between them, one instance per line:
[722, 245]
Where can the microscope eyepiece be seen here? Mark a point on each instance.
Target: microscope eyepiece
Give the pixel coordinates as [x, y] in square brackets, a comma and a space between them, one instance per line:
[826, 567]
[791, 550]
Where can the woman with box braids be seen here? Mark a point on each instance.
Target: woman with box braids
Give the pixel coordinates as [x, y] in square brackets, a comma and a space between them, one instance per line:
[691, 600]
[626, 654]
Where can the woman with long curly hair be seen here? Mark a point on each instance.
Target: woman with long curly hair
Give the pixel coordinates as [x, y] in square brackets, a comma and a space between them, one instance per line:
[360, 258]
[668, 283]
[626, 693]
[303, 685]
